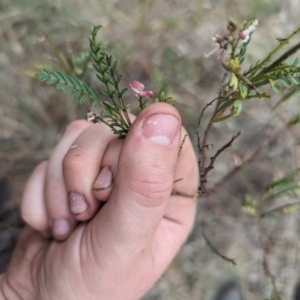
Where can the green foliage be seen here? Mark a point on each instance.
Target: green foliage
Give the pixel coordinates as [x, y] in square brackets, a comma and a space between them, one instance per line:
[69, 84]
[106, 73]
[114, 113]
[240, 86]
[285, 180]
[282, 187]
[275, 190]
[243, 85]
[164, 98]
[249, 206]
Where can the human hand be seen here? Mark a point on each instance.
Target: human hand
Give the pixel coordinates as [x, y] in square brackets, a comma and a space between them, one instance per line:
[119, 251]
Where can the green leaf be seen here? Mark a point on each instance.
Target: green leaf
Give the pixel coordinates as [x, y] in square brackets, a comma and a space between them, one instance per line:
[95, 103]
[123, 92]
[105, 92]
[76, 95]
[283, 189]
[287, 178]
[109, 59]
[42, 75]
[249, 205]
[85, 87]
[83, 98]
[76, 82]
[43, 78]
[114, 93]
[94, 93]
[237, 107]
[243, 51]
[295, 61]
[96, 67]
[68, 80]
[60, 85]
[114, 65]
[243, 90]
[95, 29]
[60, 76]
[286, 82]
[119, 78]
[68, 90]
[100, 78]
[276, 88]
[51, 80]
[295, 79]
[109, 81]
[105, 70]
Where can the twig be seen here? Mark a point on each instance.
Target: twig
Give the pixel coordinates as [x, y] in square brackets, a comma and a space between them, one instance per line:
[214, 249]
[246, 162]
[205, 107]
[266, 266]
[200, 149]
[182, 143]
[249, 160]
[203, 175]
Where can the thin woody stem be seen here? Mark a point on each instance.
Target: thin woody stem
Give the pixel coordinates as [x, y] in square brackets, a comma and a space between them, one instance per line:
[181, 144]
[203, 175]
[214, 249]
[201, 161]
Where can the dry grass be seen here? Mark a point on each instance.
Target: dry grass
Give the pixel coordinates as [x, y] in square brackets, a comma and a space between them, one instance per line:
[159, 42]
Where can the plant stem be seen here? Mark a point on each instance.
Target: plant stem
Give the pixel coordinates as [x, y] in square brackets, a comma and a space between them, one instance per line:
[269, 56]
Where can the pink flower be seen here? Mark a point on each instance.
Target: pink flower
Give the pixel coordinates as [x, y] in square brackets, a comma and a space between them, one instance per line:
[245, 34]
[138, 87]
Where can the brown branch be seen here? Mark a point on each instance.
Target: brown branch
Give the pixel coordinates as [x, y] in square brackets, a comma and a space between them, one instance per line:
[214, 249]
[205, 107]
[266, 266]
[203, 175]
[249, 160]
[200, 148]
[231, 173]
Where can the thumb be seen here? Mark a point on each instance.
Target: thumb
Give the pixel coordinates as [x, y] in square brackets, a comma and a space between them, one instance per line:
[145, 176]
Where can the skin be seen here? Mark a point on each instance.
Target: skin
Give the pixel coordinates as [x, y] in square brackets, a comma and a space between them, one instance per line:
[130, 231]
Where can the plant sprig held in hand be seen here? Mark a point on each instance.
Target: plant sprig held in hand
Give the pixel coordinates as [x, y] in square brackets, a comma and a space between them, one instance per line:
[114, 112]
[237, 86]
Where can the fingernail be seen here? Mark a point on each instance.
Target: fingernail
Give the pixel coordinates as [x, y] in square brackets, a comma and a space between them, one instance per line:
[161, 128]
[77, 203]
[104, 179]
[61, 227]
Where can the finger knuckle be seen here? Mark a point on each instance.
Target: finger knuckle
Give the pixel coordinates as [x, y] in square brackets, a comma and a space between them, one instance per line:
[77, 125]
[79, 157]
[73, 157]
[152, 186]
